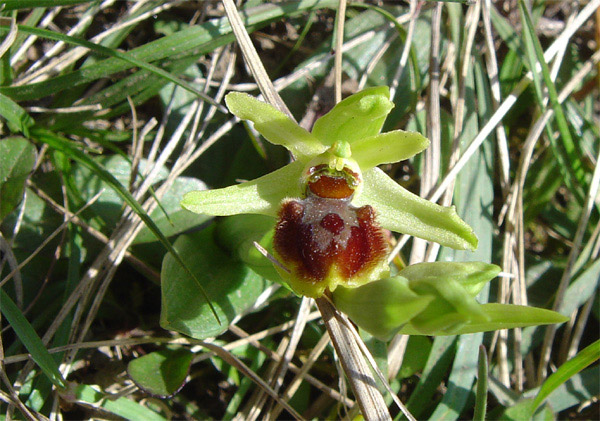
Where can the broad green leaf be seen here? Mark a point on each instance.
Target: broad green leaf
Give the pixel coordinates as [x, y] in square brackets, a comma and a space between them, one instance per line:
[30, 339]
[121, 406]
[261, 195]
[501, 316]
[274, 125]
[229, 284]
[581, 288]
[161, 373]
[356, 117]
[381, 307]
[402, 211]
[17, 118]
[387, 148]
[17, 158]
[522, 410]
[239, 232]
[179, 220]
[584, 358]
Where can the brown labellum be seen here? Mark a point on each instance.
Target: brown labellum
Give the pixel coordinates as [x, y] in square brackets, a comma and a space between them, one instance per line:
[323, 239]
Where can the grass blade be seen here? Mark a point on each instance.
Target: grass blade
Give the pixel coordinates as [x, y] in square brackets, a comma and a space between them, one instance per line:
[31, 340]
[482, 381]
[100, 49]
[584, 358]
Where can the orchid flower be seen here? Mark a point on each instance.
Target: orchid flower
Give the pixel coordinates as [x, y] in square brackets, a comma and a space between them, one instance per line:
[332, 200]
[332, 204]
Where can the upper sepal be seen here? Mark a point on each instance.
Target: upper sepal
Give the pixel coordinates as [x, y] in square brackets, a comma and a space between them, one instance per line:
[357, 117]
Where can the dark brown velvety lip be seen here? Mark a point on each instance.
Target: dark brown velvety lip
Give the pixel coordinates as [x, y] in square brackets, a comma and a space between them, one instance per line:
[315, 233]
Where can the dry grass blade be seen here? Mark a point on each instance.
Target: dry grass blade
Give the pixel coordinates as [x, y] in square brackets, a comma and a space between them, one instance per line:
[297, 380]
[10, 37]
[339, 41]
[370, 400]
[252, 59]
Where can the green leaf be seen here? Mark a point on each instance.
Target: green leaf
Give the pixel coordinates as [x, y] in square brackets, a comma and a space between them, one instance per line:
[29, 4]
[17, 118]
[381, 307]
[261, 195]
[121, 406]
[274, 125]
[387, 148]
[501, 316]
[402, 211]
[17, 158]
[584, 358]
[178, 220]
[131, 59]
[442, 352]
[229, 284]
[28, 336]
[415, 356]
[359, 116]
[239, 232]
[482, 388]
[161, 373]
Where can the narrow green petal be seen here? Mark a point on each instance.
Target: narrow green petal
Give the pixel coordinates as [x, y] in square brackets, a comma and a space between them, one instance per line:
[261, 195]
[275, 126]
[387, 148]
[401, 211]
[358, 116]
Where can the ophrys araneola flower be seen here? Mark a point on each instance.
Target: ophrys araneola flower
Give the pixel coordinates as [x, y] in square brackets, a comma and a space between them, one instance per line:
[332, 201]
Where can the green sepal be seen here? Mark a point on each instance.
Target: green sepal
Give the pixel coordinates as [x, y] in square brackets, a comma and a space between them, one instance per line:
[402, 211]
[359, 116]
[387, 148]
[381, 307]
[275, 126]
[262, 195]
[501, 316]
[472, 276]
